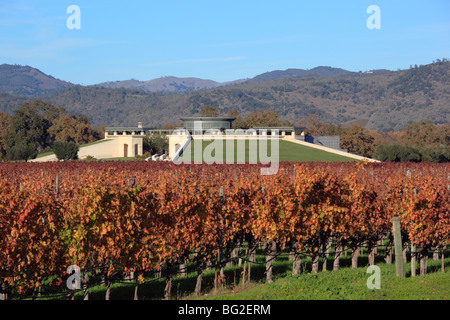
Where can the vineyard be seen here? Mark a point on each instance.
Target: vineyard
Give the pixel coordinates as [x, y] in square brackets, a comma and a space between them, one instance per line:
[123, 218]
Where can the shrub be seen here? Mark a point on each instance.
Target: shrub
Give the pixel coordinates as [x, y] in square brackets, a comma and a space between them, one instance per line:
[400, 153]
[65, 150]
[89, 158]
[22, 151]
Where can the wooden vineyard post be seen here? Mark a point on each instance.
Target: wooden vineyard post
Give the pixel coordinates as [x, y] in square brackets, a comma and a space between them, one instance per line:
[57, 186]
[220, 254]
[413, 246]
[398, 247]
[249, 271]
[355, 253]
[243, 271]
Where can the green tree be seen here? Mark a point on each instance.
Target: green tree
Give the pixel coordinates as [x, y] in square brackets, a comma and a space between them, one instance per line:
[380, 153]
[65, 150]
[21, 151]
[5, 122]
[397, 153]
[438, 154]
[34, 127]
[156, 143]
[27, 131]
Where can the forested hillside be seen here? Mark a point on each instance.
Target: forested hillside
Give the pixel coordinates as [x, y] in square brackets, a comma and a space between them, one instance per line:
[380, 100]
[28, 81]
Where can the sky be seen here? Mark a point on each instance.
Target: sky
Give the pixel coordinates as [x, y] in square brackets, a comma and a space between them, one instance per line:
[218, 40]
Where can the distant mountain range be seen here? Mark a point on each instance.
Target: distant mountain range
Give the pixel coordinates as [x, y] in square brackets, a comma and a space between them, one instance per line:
[28, 81]
[298, 73]
[378, 99]
[168, 84]
[180, 85]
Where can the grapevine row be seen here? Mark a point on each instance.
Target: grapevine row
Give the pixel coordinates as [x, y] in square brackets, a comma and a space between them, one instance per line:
[140, 217]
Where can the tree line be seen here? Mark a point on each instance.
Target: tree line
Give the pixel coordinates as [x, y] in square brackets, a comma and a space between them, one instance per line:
[39, 127]
[420, 141]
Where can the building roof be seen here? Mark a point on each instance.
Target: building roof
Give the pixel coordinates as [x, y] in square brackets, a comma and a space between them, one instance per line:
[138, 129]
[279, 128]
[208, 119]
[128, 129]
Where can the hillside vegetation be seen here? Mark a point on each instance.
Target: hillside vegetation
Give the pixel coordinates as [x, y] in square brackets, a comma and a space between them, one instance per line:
[382, 101]
[28, 81]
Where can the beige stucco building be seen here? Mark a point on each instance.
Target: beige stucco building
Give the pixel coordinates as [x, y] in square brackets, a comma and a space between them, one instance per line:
[123, 142]
[119, 142]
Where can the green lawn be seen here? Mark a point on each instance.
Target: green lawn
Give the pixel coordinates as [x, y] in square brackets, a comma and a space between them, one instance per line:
[44, 154]
[290, 151]
[343, 284]
[347, 284]
[287, 151]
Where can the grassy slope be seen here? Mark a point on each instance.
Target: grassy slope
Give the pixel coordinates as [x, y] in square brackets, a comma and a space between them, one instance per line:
[288, 151]
[348, 284]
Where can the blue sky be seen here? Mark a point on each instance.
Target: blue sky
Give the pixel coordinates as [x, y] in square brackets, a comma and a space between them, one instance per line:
[218, 40]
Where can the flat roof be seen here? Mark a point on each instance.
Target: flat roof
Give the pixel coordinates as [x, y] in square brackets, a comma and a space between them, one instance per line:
[279, 128]
[135, 129]
[208, 118]
[127, 129]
